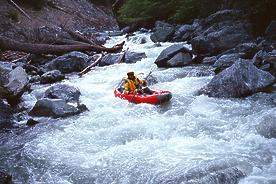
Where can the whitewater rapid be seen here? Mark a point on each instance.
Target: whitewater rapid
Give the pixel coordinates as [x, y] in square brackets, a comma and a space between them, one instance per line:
[192, 139]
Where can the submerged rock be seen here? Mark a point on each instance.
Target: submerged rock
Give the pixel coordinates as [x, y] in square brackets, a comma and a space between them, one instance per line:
[63, 91]
[267, 127]
[71, 62]
[212, 172]
[175, 55]
[239, 80]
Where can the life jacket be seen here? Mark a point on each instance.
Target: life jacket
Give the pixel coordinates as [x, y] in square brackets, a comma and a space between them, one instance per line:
[131, 85]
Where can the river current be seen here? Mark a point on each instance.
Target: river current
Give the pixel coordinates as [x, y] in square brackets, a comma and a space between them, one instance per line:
[191, 139]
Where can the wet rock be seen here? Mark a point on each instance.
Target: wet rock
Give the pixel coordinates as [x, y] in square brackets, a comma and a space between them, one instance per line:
[221, 31]
[51, 77]
[239, 80]
[55, 108]
[133, 57]
[163, 32]
[6, 115]
[179, 60]
[63, 91]
[170, 52]
[267, 127]
[5, 178]
[271, 30]
[71, 62]
[209, 60]
[15, 85]
[130, 57]
[225, 61]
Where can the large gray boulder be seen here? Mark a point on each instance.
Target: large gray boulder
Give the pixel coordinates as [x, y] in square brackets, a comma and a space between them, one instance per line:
[173, 56]
[63, 91]
[225, 61]
[13, 83]
[163, 32]
[68, 63]
[239, 80]
[221, 31]
[56, 108]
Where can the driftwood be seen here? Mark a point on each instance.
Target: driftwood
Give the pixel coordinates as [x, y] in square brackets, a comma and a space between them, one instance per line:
[10, 44]
[20, 9]
[89, 68]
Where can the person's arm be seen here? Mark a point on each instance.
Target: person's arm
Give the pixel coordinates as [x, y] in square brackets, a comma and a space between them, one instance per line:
[126, 88]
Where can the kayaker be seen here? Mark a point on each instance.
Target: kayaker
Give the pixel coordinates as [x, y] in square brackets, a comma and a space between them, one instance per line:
[135, 85]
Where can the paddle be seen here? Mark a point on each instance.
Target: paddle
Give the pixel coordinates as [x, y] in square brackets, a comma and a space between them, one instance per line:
[151, 70]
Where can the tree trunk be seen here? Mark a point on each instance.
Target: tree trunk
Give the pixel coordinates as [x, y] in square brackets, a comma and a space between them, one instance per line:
[10, 44]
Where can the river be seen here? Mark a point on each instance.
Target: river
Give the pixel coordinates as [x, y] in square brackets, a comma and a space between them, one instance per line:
[191, 139]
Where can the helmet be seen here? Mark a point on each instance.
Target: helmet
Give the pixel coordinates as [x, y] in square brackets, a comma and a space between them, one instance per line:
[130, 73]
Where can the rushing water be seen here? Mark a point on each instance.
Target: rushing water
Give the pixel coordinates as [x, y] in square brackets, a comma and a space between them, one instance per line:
[192, 139]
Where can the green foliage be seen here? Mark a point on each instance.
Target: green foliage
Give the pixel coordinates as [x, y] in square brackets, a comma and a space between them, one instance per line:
[36, 4]
[177, 11]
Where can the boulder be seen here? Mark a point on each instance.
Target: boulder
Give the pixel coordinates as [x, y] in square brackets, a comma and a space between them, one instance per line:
[239, 80]
[13, 84]
[55, 108]
[170, 52]
[5, 178]
[71, 62]
[163, 32]
[51, 77]
[130, 57]
[221, 31]
[183, 32]
[225, 61]
[6, 115]
[63, 91]
[180, 59]
[133, 57]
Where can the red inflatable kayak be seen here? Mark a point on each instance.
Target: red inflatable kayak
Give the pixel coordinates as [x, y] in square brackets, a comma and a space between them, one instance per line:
[158, 97]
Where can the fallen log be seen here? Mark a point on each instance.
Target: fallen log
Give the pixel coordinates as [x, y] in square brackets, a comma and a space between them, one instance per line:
[10, 44]
[89, 68]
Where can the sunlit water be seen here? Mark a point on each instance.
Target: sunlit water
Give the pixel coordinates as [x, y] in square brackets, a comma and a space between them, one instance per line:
[192, 139]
